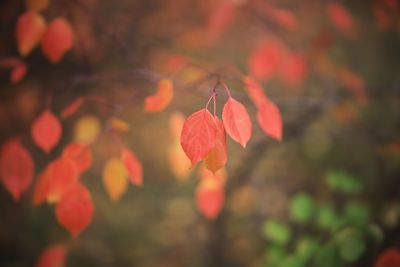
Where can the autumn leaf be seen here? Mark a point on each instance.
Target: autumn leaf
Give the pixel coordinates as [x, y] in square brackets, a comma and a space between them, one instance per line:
[179, 163]
[254, 91]
[161, 99]
[176, 121]
[389, 258]
[80, 154]
[57, 40]
[237, 121]
[30, 29]
[199, 134]
[294, 70]
[16, 168]
[220, 19]
[340, 18]
[265, 60]
[72, 108]
[219, 176]
[75, 209]
[54, 180]
[133, 167]
[46, 130]
[210, 198]
[37, 5]
[18, 73]
[118, 124]
[115, 178]
[217, 157]
[87, 129]
[283, 18]
[270, 120]
[53, 256]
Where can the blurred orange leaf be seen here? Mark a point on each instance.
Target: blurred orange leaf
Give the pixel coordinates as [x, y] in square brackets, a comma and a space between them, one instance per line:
[53, 256]
[270, 120]
[87, 129]
[46, 130]
[341, 18]
[80, 154]
[294, 70]
[16, 168]
[72, 108]
[254, 91]
[30, 29]
[115, 178]
[133, 167]
[265, 60]
[18, 73]
[161, 99]
[210, 198]
[118, 124]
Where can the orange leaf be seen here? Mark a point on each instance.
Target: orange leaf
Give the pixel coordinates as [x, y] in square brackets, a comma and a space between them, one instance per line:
[75, 209]
[18, 73]
[46, 131]
[178, 161]
[220, 19]
[176, 121]
[199, 134]
[87, 129]
[210, 198]
[30, 29]
[37, 5]
[114, 178]
[118, 124]
[283, 17]
[53, 256]
[218, 156]
[16, 168]
[389, 258]
[72, 108]
[340, 18]
[270, 120]
[133, 167]
[220, 176]
[80, 154]
[160, 100]
[237, 121]
[265, 60]
[57, 40]
[55, 179]
[254, 91]
[294, 70]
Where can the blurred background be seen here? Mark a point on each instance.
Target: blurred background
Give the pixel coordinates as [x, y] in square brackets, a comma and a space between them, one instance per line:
[326, 195]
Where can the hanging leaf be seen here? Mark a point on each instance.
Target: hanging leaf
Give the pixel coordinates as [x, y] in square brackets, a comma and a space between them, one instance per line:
[55, 179]
[254, 91]
[205, 174]
[87, 129]
[80, 154]
[160, 100]
[46, 131]
[217, 157]
[341, 18]
[199, 134]
[53, 256]
[16, 168]
[72, 108]
[294, 70]
[75, 209]
[18, 73]
[178, 161]
[133, 167]
[265, 60]
[37, 5]
[283, 18]
[115, 178]
[302, 207]
[118, 124]
[220, 19]
[277, 232]
[30, 29]
[57, 40]
[389, 258]
[237, 121]
[270, 120]
[210, 198]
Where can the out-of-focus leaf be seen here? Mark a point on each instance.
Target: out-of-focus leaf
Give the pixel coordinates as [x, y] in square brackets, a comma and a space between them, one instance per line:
[389, 258]
[115, 178]
[30, 29]
[52, 256]
[87, 129]
[162, 98]
[351, 244]
[292, 261]
[80, 154]
[37, 5]
[327, 218]
[46, 130]
[276, 231]
[343, 182]
[275, 255]
[357, 213]
[327, 256]
[306, 248]
[210, 198]
[302, 207]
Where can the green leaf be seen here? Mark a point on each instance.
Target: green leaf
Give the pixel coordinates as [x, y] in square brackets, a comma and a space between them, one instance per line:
[351, 244]
[343, 182]
[292, 261]
[306, 248]
[327, 256]
[328, 219]
[301, 207]
[275, 255]
[276, 232]
[357, 213]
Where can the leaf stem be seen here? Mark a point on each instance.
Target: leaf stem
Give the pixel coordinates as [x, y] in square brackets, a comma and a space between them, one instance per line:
[226, 88]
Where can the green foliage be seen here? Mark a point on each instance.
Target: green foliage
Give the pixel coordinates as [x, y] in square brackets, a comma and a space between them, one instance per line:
[357, 213]
[306, 248]
[327, 256]
[276, 232]
[343, 182]
[302, 207]
[275, 255]
[350, 244]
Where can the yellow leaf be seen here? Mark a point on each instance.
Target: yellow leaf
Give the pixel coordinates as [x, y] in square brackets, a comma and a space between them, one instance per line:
[87, 129]
[118, 124]
[115, 178]
[178, 161]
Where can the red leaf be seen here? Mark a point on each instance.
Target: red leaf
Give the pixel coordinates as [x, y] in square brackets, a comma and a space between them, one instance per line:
[133, 167]
[218, 156]
[340, 18]
[237, 121]
[160, 100]
[57, 40]
[283, 17]
[80, 154]
[58, 176]
[199, 134]
[270, 120]
[16, 168]
[254, 91]
[294, 70]
[30, 29]
[75, 209]
[210, 198]
[18, 73]
[264, 61]
[389, 258]
[53, 256]
[72, 108]
[46, 131]
[220, 19]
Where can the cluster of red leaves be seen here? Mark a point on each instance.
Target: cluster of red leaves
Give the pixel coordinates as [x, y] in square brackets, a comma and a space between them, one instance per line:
[388, 258]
